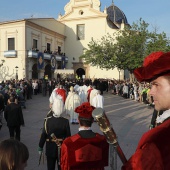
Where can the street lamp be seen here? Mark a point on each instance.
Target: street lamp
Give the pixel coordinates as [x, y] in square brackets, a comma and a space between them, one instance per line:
[2, 62]
[16, 72]
[119, 74]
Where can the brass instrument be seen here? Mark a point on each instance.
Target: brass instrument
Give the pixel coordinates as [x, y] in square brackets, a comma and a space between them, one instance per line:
[105, 127]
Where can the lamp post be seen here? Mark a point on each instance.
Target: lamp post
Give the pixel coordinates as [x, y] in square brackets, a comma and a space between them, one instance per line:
[119, 74]
[16, 72]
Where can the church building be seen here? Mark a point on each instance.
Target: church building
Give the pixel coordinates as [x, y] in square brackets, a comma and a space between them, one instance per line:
[37, 47]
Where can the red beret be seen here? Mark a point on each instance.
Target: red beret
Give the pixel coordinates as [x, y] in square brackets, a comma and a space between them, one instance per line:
[85, 110]
[154, 65]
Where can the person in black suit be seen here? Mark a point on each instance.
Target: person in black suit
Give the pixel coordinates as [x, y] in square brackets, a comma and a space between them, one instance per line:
[2, 107]
[14, 117]
[58, 126]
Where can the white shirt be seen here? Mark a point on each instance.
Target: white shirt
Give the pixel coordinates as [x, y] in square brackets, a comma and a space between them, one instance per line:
[162, 117]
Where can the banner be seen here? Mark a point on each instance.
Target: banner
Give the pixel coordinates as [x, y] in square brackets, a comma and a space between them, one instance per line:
[53, 62]
[40, 61]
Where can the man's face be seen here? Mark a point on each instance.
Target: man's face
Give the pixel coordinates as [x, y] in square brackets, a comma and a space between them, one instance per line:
[160, 91]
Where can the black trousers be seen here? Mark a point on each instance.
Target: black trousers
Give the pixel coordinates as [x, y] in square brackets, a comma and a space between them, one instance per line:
[51, 161]
[14, 132]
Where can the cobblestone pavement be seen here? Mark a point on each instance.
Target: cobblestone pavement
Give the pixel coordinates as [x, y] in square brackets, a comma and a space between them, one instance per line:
[129, 120]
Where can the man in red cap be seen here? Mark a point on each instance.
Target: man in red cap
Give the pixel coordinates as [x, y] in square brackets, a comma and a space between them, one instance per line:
[85, 150]
[153, 150]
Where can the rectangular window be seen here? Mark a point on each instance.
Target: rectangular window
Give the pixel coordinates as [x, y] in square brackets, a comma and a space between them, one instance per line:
[59, 50]
[48, 48]
[11, 44]
[81, 32]
[35, 44]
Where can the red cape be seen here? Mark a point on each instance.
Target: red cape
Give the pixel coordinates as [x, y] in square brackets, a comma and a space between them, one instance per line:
[153, 151]
[84, 153]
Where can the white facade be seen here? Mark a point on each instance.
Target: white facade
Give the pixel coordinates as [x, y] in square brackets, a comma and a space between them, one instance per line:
[87, 13]
[61, 33]
[24, 32]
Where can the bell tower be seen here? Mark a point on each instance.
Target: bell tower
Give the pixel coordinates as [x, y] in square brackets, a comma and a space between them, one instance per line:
[95, 4]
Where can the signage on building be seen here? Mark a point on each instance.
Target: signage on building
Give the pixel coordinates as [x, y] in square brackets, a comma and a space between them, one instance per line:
[53, 62]
[40, 60]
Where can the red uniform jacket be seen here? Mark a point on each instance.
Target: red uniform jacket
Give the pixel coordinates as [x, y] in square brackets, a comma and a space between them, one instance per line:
[153, 151]
[84, 153]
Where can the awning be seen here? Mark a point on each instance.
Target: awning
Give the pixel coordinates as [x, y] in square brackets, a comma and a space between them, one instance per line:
[64, 71]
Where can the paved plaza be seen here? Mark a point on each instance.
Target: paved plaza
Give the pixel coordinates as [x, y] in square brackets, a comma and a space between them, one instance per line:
[129, 119]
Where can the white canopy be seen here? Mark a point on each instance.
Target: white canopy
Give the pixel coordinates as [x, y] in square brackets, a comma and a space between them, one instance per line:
[64, 71]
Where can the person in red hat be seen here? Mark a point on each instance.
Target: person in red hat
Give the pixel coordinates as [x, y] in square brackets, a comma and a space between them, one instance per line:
[153, 150]
[85, 150]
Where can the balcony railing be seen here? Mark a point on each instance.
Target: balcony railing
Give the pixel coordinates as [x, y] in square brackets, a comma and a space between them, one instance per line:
[32, 54]
[47, 56]
[10, 54]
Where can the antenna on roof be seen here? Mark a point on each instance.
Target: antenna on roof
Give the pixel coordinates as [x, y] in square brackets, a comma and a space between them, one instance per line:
[114, 10]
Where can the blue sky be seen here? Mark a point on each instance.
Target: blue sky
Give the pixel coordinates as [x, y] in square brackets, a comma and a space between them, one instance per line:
[155, 12]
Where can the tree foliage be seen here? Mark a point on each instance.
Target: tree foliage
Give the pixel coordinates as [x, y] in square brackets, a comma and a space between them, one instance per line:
[127, 48]
[100, 53]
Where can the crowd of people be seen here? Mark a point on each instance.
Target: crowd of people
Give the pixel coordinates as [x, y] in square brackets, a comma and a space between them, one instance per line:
[87, 149]
[134, 90]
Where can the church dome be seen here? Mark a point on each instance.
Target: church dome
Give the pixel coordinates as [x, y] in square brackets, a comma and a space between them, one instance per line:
[116, 15]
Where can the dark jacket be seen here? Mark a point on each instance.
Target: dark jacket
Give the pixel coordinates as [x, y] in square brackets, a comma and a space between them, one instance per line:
[13, 115]
[60, 127]
[2, 106]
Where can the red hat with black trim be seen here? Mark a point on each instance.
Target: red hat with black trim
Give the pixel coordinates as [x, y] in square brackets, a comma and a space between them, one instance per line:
[154, 65]
[85, 110]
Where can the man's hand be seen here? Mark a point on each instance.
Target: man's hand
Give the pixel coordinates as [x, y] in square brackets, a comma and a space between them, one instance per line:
[40, 151]
[50, 105]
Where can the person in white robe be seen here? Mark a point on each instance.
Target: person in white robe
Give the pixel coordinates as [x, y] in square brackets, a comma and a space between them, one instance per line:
[98, 100]
[76, 88]
[72, 101]
[84, 87]
[93, 94]
[52, 96]
[56, 104]
[82, 94]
